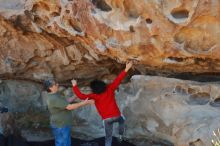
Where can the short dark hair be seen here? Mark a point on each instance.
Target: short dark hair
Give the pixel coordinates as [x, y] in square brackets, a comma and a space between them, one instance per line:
[49, 83]
[98, 86]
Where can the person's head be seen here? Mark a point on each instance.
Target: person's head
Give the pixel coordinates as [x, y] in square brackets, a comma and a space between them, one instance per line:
[98, 86]
[51, 86]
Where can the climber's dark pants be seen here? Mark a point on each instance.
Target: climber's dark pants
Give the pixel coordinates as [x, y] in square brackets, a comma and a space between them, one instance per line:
[108, 125]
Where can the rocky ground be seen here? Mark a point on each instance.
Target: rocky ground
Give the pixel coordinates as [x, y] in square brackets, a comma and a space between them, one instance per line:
[18, 141]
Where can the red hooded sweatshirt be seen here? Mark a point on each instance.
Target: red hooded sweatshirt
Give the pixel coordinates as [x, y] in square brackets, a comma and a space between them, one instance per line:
[105, 102]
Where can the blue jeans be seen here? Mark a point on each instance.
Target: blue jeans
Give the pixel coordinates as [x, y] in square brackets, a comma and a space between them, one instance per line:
[62, 135]
[108, 125]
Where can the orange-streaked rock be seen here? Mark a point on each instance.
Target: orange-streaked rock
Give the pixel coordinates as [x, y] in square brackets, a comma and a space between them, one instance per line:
[167, 36]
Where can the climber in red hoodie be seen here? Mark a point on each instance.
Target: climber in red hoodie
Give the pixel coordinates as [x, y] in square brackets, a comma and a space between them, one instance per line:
[104, 96]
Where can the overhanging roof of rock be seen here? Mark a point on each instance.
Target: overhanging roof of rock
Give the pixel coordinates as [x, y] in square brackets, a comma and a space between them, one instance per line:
[79, 38]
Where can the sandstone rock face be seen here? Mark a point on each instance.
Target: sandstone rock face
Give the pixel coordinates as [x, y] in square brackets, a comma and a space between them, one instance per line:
[27, 114]
[87, 39]
[182, 112]
[83, 38]
[164, 110]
